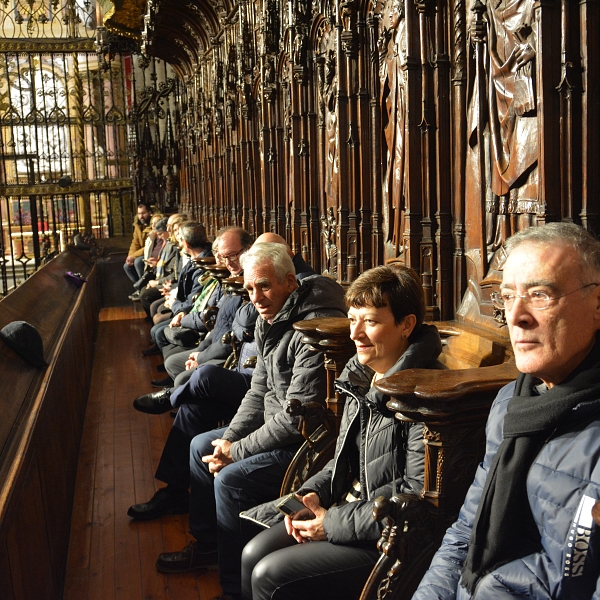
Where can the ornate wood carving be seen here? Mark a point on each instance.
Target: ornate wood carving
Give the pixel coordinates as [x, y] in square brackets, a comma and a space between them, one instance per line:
[389, 131]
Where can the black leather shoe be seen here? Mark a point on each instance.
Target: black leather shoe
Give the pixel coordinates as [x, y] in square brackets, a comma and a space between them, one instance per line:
[155, 403]
[154, 349]
[189, 559]
[164, 382]
[162, 503]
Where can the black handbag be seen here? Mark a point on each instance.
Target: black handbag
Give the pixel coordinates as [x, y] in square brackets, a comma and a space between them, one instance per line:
[182, 336]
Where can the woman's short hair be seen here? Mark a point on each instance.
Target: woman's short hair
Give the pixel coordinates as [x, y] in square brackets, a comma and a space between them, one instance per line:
[394, 285]
[268, 252]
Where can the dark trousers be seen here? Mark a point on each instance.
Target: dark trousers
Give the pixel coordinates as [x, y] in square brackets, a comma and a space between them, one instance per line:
[208, 399]
[276, 567]
[148, 296]
[216, 502]
[175, 362]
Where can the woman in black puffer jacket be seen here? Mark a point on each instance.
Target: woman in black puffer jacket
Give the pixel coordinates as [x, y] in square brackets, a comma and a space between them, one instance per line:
[375, 455]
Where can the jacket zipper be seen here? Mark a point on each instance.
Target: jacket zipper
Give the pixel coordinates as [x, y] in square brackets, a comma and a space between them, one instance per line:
[345, 437]
[368, 490]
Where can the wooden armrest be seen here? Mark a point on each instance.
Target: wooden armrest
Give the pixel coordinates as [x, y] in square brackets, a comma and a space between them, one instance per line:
[327, 333]
[219, 271]
[205, 261]
[330, 335]
[235, 285]
[426, 393]
[209, 317]
[250, 362]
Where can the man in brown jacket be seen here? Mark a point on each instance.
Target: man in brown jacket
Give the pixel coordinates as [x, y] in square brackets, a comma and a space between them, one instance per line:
[134, 263]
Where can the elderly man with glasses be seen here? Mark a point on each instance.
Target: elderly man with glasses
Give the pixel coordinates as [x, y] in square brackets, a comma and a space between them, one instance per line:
[525, 529]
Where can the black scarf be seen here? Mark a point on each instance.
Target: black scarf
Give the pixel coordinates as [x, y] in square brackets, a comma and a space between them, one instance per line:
[504, 528]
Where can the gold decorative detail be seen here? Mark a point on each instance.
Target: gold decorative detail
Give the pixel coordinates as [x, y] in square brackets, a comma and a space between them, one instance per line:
[126, 17]
[47, 46]
[53, 189]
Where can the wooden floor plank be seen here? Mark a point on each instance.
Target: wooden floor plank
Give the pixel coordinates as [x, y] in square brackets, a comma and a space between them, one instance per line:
[112, 557]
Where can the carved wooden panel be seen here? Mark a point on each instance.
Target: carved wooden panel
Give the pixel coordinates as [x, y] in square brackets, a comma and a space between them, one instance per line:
[425, 131]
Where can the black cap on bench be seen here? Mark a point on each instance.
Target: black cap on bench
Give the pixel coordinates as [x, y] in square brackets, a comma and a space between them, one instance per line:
[26, 341]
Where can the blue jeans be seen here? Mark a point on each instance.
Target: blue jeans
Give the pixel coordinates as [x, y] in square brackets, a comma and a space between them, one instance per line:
[216, 502]
[135, 271]
[157, 333]
[209, 399]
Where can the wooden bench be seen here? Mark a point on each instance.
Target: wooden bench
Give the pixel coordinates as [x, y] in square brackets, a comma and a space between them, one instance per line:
[41, 419]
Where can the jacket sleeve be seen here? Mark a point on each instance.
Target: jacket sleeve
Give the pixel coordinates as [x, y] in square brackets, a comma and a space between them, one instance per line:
[307, 384]
[186, 305]
[137, 243]
[250, 414]
[442, 579]
[353, 522]
[193, 320]
[139, 239]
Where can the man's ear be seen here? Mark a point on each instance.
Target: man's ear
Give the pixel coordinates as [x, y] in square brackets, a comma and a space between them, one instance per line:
[596, 304]
[291, 281]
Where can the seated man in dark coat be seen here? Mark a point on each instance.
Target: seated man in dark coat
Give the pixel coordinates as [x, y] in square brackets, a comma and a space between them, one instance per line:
[195, 245]
[525, 529]
[252, 454]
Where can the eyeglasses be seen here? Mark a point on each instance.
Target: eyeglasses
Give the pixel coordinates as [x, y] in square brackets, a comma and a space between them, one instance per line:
[232, 257]
[536, 300]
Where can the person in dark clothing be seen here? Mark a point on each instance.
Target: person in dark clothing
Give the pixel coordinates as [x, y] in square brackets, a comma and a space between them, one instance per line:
[375, 455]
[525, 529]
[211, 396]
[195, 244]
[252, 454]
[230, 244]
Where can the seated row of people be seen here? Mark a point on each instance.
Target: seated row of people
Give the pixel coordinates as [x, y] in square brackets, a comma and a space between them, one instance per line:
[530, 494]
[401, 284]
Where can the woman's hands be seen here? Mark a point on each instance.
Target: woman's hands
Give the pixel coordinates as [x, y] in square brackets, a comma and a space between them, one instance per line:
[307, 524]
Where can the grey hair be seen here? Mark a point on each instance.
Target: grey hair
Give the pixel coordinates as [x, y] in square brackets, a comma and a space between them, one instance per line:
[563, 234]
[268, 252]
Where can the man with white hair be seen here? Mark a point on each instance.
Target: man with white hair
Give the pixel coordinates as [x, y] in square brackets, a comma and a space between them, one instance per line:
[242, 465]
[525, 529]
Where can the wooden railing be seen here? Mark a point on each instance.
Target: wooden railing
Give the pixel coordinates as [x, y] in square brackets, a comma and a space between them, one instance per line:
[41, 419]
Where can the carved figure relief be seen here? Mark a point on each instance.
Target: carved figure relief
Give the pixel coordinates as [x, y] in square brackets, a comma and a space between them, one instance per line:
[230, 113]
[347, 9]
[392, 56]
[300, 47]
[218, 117]
[509, 119]
[329, 232]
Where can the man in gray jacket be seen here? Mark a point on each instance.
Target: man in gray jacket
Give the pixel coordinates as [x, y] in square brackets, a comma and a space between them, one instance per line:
[240, 466]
